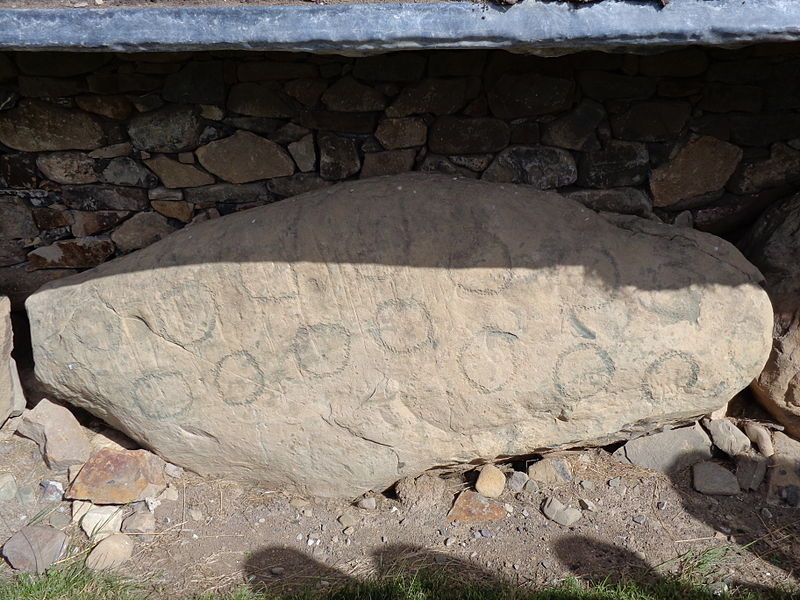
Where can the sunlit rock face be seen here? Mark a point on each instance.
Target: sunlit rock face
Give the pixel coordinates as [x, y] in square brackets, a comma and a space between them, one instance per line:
[340, 340]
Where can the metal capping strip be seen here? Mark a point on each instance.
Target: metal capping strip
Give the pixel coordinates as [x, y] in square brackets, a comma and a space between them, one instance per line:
[532, 26]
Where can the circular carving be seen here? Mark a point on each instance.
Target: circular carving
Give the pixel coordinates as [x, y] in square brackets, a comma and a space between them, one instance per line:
[322, 350]
[672, 297]
[483, 266]
[192, 311]
[674, 366]
[594, 264]
[489, 360]
[238, 378]
[403, 326]
[162, 395]
[268, 281]
[583, 371]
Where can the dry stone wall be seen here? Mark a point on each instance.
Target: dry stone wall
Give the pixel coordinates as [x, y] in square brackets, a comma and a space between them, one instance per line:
[103, 154]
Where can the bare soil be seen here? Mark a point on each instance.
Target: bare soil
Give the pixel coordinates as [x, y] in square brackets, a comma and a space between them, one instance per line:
[220, 535]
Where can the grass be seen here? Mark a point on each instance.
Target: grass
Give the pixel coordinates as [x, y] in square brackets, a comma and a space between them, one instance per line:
[73, 582]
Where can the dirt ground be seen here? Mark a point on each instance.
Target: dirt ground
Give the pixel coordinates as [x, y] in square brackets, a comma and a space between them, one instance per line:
[219, 535]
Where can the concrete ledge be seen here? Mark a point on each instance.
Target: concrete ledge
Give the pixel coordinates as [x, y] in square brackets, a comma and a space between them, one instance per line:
[531, 27]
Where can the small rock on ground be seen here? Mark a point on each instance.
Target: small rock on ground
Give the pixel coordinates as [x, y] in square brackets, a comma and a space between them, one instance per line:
[491, 482]
[550, 469]
[554, 510]
[471, 507]
[713, 479]
[8, 487]
[100, 522]
[369, 503]
[760, 436]
[669, 451]
[110, 553]
[727, 437]
[35, 549]
[516, 481]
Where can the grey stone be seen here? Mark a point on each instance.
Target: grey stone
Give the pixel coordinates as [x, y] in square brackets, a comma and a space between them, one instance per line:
[127, 172]
[518, 95]
[714, 479]
[465, 135]
[110, 553]
[751, 469]
[656, 121]
[338, 157]
[516, 481]
[197, 83]
[16, 218]
[60, 520]
[368, 503]
[390, 162]
[261, 100]
[554, 510]
[617, 164]
[299, 183]
[141, 230]
[304, 153]
[540, 166]
[26, 495]
[67, 167]
[622, 200]
[640, 519]
[436, 163]
[226, 193]
[173, 128]
[58, 434]
[348, 95]
[8, 487]
[531, 486]
[550, 470]
[669, 451]
[436, 96]
[727, 437]
[577, 129]
[99, 522]
[369, 232]
[760, 436]
[402, 133]
[35, 549]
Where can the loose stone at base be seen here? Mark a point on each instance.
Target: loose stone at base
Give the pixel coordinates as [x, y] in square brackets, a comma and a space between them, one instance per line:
[110, 553]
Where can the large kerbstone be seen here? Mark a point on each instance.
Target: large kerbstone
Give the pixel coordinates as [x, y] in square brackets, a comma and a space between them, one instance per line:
[772, 245]
[341, 340]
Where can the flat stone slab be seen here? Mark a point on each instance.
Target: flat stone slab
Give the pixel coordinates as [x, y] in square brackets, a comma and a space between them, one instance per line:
[530, 26]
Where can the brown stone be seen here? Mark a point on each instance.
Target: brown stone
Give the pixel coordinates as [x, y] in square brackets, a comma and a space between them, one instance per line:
[104, 197]
[464, 135]
[119, 477]
[436, 96]
[67, 167]
[16, 218]
[338, 157]
[781, 168]
[471, 507]
[58, 434]
[141, 230]
[35, 549]
[182, 211]
[112, 107]
[35, 126]
[348, 95]
[19, 170]
[86, 223]
[51, 217]
[174, 174]
[261, 100]
[245, 157]
[112, 151]
[390, 162]
[703, 165]
[173, 128]
[75, 254]
[402, 133]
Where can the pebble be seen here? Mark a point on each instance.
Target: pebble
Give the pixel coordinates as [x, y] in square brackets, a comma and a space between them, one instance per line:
[516, 481]
[491, 482]
[587, 505]
[486, 533]
[299, 537]
[509, 508]
[640, 519]
[554, 510]
[51, 491]
[349, 531]
[384, 539]
[614, 482]
[531, 486]
[277, 571]
[766, 513]
[587, 485]
[347, 520]
[110, 552]
[449, 542]
[661, 505]
[525, 513]
[195, 514]
[369, 503]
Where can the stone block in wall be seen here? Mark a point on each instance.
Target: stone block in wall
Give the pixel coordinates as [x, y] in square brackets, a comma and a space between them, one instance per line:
[61, 64]
[601, 85]
[71, 167]
[476, 163]
[679, 88]
[244, 157]
[81, 253]
[436, 163]
[18, 170]
[8, 70]
[517, 95]
[703, 165]
[617, 164]
[51, 217]
[456, 63]
[435, 96]
[259, 125]
[16, 218]
[49, 87]
[349, 95]
[396, 66]
[542, 167]
[127, 172]
[87, 223]
[306, 91]
[288, 133]
[577, 129]
[338, 157]
[275, 70]
[210, 196]
[103, 197]
[112, 151]
[739, 71]
[12, 398]
[686, 62]
[723, 98]
[123, 83]
[111, 107]
[468, 135]
[781, 168]
[299, 183]
[304, 152]
[655, 121]
[261, 100]
[389, 162]
[196, 83]
[141, 230]
[35, 126]
[406, 132]
[764, 129]
[732, 213]
[181, 211]
[12, 252]
[173, 128]
[339, 122]
[174, 174]
[621, 200]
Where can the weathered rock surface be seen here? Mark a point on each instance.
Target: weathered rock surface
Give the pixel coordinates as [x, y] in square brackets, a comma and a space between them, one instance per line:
[771, 244]
[714, 479]
[35, 549]
[669, 451]
[527, 311]
[100, 522]
[118, 477]
[35, 126]
[12, 400]
[110, 553]
[58, 434]
[471, 507]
